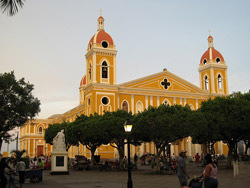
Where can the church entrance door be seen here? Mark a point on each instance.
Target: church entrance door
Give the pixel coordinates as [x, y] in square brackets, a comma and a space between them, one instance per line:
[39, 151]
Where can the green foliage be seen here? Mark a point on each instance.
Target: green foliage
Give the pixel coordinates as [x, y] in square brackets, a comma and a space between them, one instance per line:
[163, 124]
[17, 104]
[226, 119]
[52, 131]
[18, 154]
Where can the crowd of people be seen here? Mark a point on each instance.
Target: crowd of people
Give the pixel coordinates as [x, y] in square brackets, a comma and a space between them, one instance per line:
[11, 165]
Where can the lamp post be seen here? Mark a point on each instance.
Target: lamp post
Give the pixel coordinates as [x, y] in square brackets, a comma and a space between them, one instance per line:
[128, 128]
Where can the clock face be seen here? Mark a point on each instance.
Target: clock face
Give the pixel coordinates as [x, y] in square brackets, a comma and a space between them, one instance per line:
[104, 44]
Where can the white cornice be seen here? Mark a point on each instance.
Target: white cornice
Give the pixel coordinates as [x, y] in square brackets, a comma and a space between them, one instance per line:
[101, 50]
[212, 65]
[167, 73]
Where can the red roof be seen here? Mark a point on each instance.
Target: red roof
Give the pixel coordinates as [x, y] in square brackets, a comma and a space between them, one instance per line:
[210, 37]
[83, 81]
[101, 36]
[100, 18]
[215, 54]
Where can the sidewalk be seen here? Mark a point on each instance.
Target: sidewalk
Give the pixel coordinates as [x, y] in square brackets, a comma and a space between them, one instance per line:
[118, 179]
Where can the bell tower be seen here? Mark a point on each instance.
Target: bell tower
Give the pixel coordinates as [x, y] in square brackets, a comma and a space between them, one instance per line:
[213, 71]
[101, 57]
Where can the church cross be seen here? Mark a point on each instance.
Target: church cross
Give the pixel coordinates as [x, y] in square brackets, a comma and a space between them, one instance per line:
[165, 83]
[209, 31]
[100, 11]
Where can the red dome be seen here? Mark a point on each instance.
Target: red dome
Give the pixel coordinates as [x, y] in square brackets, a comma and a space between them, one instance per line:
[101, 36]
[215, 54]
[100, 18]
[83, 81]
[210, 37]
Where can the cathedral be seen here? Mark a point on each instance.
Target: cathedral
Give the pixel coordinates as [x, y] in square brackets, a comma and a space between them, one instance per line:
[99, 92]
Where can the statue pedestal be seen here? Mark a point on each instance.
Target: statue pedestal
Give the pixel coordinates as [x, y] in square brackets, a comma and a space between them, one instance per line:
[59, 163]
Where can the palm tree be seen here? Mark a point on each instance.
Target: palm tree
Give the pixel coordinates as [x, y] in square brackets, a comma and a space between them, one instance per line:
[11, 6]
[18, 154]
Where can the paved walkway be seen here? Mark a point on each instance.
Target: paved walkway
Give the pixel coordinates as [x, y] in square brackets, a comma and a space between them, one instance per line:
[141, 179]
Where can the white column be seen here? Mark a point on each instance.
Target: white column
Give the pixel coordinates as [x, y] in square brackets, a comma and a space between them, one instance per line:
[132, 104]
[118, 101]
[151, 100]
[180, 101]
[94, 67]
[212, 80]
[114, 67]
[201, 81]
[226, 83]
[197, 104]
[146, 102]
[158, 101]
[174, 100]
[185, 101]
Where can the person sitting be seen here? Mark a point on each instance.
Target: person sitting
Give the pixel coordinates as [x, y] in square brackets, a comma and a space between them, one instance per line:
[40, 164]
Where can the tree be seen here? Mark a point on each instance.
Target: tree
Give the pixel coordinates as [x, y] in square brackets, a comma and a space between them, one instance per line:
[114, 122]
[93, 134]
[228, 120]
[205, 131]
[17, 104]
[11, 6]
[52, 131]
[163, 125]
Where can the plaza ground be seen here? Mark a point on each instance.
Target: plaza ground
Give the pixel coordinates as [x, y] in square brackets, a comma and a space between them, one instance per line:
[140, 177]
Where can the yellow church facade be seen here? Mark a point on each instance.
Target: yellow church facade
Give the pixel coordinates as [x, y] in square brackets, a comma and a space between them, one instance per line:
[99, 92]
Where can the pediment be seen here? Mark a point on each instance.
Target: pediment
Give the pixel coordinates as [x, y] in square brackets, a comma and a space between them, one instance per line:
[163, 81]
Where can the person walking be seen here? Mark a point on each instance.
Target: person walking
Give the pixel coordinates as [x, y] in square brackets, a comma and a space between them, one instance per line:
[197, 159]
[209, 174]
[135, 160]
[182, 170]
[20, 167]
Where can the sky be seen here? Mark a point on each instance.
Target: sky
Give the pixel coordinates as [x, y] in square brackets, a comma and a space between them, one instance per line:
[46, 42]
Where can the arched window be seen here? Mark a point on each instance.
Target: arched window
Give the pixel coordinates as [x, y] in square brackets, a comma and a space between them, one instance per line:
[125, 106]
[90, 71]
[40, 130]
[218, 60]
[139, 107]
[191, 106]
[204, 61]
[206, 83]
[104, 70]
[166, 102]
[219, 81]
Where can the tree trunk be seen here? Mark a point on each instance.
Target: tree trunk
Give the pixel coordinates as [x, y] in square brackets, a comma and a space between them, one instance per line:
[92, 164]
[121, 156]
[1, 142]
[246, 148]
[230, 156]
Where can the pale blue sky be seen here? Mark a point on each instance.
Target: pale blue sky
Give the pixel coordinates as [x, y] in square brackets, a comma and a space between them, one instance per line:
[47, 40]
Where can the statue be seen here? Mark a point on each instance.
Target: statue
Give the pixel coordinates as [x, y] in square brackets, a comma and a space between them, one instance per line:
[59, 142]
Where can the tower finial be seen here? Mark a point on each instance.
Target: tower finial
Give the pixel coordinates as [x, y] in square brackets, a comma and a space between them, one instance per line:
[100, 11]
[209, 31]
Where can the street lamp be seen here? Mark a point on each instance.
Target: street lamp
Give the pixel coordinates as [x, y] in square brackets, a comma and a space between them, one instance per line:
[128, 128]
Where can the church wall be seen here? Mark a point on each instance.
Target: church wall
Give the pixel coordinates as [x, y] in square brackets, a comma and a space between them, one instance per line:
[123, 97]
[155, 101]
[222, 73]
[191, 102]
[207, 73]
[169, 99]
[100, 57]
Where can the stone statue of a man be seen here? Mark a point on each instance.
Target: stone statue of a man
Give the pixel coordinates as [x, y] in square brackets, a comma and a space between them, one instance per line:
[59, 142]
